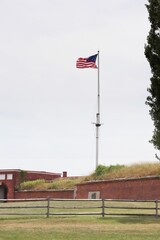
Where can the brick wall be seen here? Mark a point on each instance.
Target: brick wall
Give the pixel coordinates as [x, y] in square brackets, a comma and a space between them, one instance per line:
[138, 189]
[65, 194]
[29, 176]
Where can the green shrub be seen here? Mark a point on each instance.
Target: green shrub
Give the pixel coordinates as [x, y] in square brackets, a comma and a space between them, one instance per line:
[102, 171]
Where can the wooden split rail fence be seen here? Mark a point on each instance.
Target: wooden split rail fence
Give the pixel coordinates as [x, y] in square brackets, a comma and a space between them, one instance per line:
[102, 207]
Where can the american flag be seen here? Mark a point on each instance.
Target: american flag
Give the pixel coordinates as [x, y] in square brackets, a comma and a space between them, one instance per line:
[89, 62]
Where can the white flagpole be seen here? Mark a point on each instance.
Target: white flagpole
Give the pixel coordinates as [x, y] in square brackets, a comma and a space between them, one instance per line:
[98, 124]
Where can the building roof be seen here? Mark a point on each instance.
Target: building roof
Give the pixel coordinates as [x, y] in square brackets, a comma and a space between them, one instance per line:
[29, 171]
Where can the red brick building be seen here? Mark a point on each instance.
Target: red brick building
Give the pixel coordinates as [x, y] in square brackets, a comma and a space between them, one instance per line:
[11, 178]
[146, 188]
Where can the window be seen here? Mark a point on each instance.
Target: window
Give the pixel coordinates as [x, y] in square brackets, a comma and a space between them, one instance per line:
[9, 176]
[94, 195]
[2, 176]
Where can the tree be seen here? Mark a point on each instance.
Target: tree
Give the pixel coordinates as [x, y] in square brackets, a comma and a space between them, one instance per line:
[152, 53]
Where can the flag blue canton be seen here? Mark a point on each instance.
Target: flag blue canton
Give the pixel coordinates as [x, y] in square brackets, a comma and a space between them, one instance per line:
[92, 58]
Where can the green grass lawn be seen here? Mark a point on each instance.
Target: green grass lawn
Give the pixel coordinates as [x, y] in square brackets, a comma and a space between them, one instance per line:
[80, 227]
[39, 227]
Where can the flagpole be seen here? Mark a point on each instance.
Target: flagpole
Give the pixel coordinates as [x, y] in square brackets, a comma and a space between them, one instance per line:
[90, 62]
[98, 124]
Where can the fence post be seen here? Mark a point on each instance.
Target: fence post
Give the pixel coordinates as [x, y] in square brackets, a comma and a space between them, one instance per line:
[156, 202]
[103, 208]
[48, 206]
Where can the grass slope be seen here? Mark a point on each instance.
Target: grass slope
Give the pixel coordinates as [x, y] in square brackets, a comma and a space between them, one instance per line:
[101, 173]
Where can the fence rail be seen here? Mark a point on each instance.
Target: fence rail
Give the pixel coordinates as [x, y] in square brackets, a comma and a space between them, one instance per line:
[102, 207]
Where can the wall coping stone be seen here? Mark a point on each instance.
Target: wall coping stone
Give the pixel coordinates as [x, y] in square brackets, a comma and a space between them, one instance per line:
[119, 180]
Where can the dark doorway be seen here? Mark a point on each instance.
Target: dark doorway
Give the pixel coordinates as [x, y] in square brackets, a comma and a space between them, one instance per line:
[3, 192]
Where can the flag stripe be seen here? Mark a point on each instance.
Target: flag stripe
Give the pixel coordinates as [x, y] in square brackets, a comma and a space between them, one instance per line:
[87, 62]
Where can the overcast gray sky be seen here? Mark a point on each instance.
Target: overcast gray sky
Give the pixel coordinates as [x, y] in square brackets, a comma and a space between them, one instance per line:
[47, 106]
